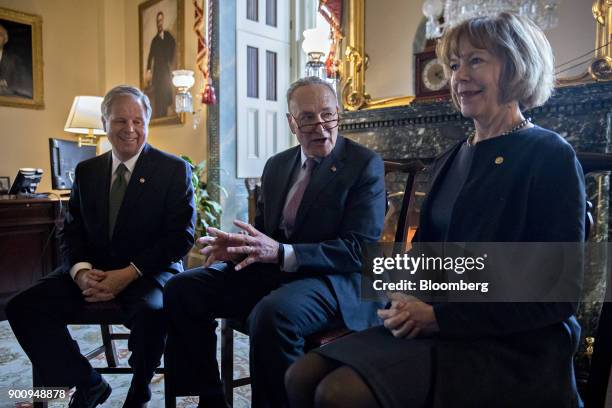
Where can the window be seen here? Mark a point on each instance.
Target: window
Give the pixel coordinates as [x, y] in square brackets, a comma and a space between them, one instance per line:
[252, 72]
[252, 13]
[271, 76]
[271, 12]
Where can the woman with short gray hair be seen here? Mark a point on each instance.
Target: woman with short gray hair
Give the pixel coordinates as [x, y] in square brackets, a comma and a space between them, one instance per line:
[508, 181]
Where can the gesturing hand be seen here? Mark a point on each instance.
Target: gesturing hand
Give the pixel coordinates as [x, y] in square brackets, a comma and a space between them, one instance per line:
[257, 246]
[409, 317]
[243, 249]
[216, 244]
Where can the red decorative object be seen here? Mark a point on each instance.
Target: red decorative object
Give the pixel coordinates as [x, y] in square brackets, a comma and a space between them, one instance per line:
[204, 55]
[209, 97]
[331, 10]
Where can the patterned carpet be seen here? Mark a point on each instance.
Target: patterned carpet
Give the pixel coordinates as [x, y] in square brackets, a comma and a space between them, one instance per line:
[16, 371]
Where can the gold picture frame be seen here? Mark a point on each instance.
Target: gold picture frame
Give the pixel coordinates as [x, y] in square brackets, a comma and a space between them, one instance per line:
[355, 61]
[160, 54]
[21, 67]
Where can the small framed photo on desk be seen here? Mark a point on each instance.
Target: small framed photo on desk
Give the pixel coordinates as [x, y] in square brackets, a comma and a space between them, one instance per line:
[5, 185]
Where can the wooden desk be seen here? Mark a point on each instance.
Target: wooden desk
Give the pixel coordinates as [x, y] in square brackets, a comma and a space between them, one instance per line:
[29, 248]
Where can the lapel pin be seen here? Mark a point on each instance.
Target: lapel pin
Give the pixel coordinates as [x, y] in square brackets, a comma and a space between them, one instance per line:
[333, 168]
[499, 160]
[142, 180]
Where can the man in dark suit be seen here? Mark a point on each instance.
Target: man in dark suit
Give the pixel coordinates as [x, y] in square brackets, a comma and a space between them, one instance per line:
[130, 221]
[297, 270]
[159, 67]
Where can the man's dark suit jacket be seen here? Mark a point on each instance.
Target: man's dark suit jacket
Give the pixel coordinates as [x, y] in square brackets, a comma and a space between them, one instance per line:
[342, 209]
[154, 227]
[510, 354]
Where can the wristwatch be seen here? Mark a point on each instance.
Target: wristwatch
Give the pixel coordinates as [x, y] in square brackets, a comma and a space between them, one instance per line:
[281, 255]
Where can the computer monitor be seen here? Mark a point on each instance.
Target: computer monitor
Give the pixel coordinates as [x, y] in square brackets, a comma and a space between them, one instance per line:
[26, 181]
[65, 155]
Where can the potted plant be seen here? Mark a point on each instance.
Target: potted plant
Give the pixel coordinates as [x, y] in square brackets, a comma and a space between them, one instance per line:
[208, 211]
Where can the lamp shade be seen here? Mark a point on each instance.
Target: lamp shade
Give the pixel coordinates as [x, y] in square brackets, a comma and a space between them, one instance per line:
[183, 78]
[316, 40]
[85, 115]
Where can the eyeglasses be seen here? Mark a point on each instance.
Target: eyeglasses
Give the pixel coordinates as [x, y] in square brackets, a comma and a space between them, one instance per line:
[311, 127]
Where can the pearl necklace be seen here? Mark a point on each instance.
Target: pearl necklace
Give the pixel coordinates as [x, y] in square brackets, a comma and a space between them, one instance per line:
[523, 123]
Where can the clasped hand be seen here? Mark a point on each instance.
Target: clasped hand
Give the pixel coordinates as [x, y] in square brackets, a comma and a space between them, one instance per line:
[409, 317]
[242, 249]
[101, 286]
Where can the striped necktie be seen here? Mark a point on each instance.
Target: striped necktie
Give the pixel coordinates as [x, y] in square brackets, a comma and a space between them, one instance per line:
[295, 195]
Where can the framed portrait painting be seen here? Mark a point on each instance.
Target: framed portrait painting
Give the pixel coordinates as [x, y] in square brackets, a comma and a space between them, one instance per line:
[21, 62]
[161, 52]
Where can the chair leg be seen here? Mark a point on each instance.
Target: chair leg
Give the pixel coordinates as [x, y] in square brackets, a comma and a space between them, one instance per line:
[109, 347]
[169, 389]
[169, 394]
[36, 383]
[227, 361]
[169, 402]
[169, 397]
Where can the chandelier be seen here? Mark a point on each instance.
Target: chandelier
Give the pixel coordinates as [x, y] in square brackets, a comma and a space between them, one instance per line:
[447, 13]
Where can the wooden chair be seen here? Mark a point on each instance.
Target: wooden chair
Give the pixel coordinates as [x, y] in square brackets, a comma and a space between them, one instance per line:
[319, 339]
[106, 314]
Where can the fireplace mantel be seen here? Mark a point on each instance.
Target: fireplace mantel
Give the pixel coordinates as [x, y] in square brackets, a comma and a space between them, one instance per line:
[582, 114]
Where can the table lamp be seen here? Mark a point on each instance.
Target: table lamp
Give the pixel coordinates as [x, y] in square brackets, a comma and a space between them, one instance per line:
[85, 119]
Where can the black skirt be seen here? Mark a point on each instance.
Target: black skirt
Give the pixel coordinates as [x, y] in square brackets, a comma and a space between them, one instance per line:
[528, 369]
[398, 371]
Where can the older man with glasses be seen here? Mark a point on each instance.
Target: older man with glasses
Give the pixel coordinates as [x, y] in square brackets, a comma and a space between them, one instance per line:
[296, 271]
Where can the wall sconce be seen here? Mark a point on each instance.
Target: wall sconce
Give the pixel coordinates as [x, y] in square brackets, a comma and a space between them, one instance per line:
[183, 80]
[85, 118]
[316, 44]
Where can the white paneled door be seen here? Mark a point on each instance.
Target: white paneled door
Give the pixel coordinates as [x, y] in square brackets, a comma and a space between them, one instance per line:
[262, 69]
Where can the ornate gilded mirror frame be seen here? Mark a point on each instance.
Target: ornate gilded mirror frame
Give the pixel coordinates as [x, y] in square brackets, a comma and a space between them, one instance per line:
[601, 67]
[355, 61]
